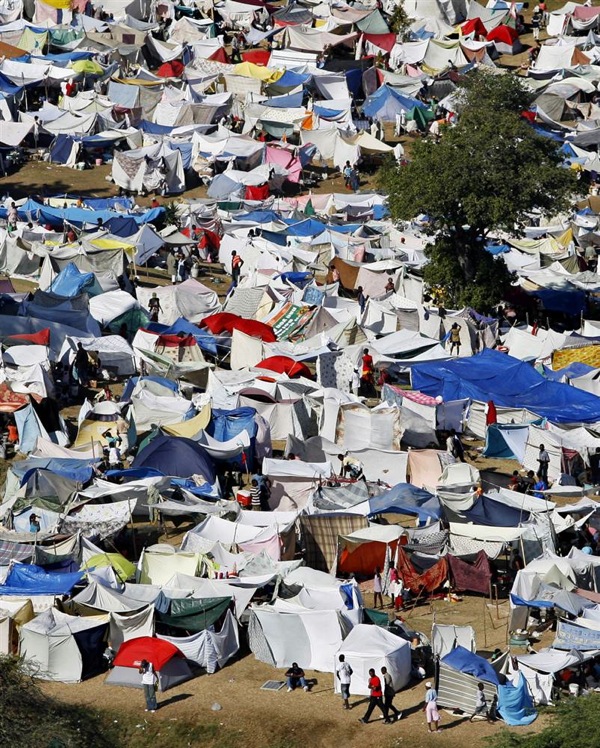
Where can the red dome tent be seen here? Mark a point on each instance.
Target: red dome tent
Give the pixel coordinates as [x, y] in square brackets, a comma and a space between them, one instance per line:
[168, 662]
[285, 365]
[475, 25]
[506, 40]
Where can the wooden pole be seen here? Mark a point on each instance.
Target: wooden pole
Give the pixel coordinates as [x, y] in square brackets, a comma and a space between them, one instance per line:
[484, 625]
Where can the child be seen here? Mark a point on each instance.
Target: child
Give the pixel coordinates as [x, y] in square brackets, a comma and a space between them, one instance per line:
[481, 706]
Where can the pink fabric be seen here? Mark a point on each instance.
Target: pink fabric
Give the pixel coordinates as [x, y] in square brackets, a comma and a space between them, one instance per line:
[431, 712]
[287, 160]
[418, 397]
[585, 13]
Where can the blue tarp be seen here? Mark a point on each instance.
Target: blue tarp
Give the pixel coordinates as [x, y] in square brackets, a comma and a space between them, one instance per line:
[61, 148]
[123, 226]
[467, 662]
[226, 424]
[291, 80]
[27, 580]
[299, 279]
[576, 369]
[549, 596]
[134, 474]
[176, 456]
[491, 513]
[515, 704]
[71, 282]
[291, 101]
[491, 375]
[405, 498]
[569, 636]
[28, 427]
[385, 103]
[77, 216]
[568, 301]
[258, 216]
[77, 470]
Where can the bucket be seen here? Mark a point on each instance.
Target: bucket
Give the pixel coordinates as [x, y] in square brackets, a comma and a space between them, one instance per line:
[574, 689]
[99, 162]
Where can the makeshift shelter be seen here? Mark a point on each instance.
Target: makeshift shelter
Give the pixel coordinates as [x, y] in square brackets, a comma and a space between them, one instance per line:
[64, 648]
[13, 615]
[368, 647]
[168, 663]
[279, 636]
[176, 456]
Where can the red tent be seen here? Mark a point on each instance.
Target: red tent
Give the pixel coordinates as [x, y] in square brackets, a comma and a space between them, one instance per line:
[474, 25]
[220, 55]
[257, 56]
[172, 69]
[383, 41]
[41, 337]
[504, 34]
[257, 192]
[218, 323]
[285, 365]
[227, 322]
[156, 651]
[175, 341]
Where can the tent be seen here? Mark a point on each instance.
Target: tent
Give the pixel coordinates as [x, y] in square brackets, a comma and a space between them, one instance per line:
[64, 648]
[309, 637]
[373, 647]
[168, 662]
[492, 375]
[209, 648]
[13, 615]
[176, 456]
[506, 40]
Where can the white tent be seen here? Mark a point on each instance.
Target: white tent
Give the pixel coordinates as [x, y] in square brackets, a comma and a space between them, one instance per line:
[64, 648]
[373, 647]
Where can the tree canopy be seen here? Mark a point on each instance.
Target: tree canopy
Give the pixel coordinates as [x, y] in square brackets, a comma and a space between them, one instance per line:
[486, 174]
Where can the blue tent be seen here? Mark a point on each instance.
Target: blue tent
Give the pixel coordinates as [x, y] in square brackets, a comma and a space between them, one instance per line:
[386, 103]
[491, 375]
[72, 282]
[467, 662]
[405, 498]
[573, 370]
[27, 580]
[177, 456]
[491, 513]
[495, 443]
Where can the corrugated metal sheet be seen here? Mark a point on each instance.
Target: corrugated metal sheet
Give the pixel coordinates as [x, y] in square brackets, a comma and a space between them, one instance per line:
[458, 690]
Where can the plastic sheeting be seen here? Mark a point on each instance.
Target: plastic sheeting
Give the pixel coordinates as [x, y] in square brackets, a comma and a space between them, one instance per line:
[491, 375]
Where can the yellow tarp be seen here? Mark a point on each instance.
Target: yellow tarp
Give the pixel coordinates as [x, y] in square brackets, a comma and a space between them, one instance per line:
[565, 238]
[588, 354]
[250, 70]
[59, 4]
[31, 41]
[190, 428]
[139, 82]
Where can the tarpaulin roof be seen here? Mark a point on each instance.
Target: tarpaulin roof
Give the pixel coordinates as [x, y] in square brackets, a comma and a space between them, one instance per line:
[491, 375]
[493, 513]
[27, 580]
[467, 662]
[406, 499]
[194, 615]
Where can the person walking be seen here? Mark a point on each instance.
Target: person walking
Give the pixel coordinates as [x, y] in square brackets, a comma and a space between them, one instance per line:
[481, 707]
[388, 694]
[149, 684]
[154, 307]
[375, 698]
[543, 462]
[431, 709]
[377, 589]
[344, 674]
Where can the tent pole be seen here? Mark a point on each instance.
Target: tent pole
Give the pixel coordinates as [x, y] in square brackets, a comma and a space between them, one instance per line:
[132, 531]
[484, 626]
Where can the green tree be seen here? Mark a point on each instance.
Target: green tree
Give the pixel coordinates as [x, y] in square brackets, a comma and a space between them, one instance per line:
[484, 176]
[399, 22]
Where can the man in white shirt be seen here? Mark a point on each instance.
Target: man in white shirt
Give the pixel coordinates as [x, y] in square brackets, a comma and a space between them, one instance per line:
[344, 674]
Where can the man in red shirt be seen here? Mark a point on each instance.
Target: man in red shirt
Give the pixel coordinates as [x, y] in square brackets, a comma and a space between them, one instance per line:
[375, 699]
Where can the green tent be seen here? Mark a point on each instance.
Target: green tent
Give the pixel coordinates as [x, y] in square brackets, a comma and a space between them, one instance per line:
[123, 568]
[194, 615]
